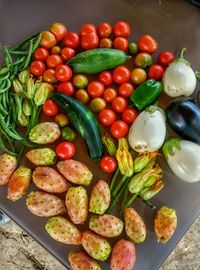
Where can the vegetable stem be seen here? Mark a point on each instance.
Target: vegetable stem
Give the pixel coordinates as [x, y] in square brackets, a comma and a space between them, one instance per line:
[119, 186]
[112, 183]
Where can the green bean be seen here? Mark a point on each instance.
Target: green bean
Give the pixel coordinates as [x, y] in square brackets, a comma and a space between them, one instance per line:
[5, 77]
[9, 140]
[37, 42]
[17, 62]
[4, 101]
[7, 57]
[24, 42]
[4, 70]
[7, 86]
[13, 110]
[11, 133]
[5, 149]
[18, 52]
[28, 58]
[3, 84]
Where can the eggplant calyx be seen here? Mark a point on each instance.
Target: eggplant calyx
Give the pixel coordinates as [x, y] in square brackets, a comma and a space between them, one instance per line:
[153, 108]
[170, 146]
[181, 58]
[197, 74]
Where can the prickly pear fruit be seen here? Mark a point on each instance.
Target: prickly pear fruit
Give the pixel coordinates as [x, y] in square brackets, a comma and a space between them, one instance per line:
[81, 261]
[165, 223]
[44, 133]
[134, 226]
[77, 204]
[96, 246]
[49, 180]
[62, 230]
[123, 256]
[100, 198]
[45, 205]
[19, 183]
[8, 164]
[106, 225]
[75, 171]
[42, 156]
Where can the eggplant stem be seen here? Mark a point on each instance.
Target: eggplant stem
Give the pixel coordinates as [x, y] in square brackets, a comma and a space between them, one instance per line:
[181, 55]
[197, 74]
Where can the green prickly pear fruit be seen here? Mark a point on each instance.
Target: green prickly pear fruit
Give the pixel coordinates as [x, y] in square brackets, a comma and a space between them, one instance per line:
[42, 156]
[8, 164]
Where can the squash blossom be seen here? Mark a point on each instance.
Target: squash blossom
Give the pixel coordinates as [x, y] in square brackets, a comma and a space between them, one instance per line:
[109, 143]
[26, 107]
[149, 192]
[142, 160]
[30, 87]
[23, 76]
[43, 93]
[18, 87]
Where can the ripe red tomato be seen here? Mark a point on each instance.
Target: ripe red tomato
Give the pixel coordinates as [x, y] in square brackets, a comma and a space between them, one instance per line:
[63, 73]
[156, 72]
[107, 117]
[95, 89]
[109, 94]
[119, 129]
[122, 29]
[67, 53]
[129, 115]
[37, 68]
[105, 77]
[59, 30]
[120, 43]
[90, 41]
[121, 74]
[87, 28]
[147, 44]
[119, 104]
[72, 40]
[108, 164]
[165, 58]
[49, 76]
[125, 90]
[41, 54]
[105, 43]
[54, 60]
[65, 150]
[66, 88]
[48, 40]
[104, 30]
[50, 108]
[55, 50]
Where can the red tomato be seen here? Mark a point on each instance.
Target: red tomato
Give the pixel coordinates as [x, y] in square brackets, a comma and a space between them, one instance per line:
[65, 150]
[155, 72]
[125, 90]
[105, 43]
[49, 76]
[129, 115]
[59, 30]
[119, 129]
[104, 30]
[108, 164]
[50, 108]
[109, 94]
[120, 43]
[63, 73]
[95, 89]
[121, 74]
[54, 60]
[105, 77]
[87, 28]
[119, 104]
[107, 117]
[66, 88]
[48, 40]
[165, 58]
[90, 41]
[67, 53]
[72, 40]
[37, 68]
[147, 44]
[41, 54]
[122, 29]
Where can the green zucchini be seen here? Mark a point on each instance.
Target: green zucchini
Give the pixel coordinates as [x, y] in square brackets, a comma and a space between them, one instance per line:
[97, 60]
[83, 121]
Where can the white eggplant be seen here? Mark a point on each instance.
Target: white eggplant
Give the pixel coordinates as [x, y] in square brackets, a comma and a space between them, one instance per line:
[183, 158]
[148, 131]
[179, 79]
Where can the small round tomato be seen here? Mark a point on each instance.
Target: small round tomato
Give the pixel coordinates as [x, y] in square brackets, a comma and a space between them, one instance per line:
[87, 28]
[72, 40]
[107, 117]
[90, 41]
[109, 94]
[108, 164]
[49, 76]
[104, 30]
[82, 96]
[133, 47]
[97, 104]
[121, 74]
[59, 30]
[125, 90]
[80, 81]
[63, 73]
[54, 60]
[61, 119]
[143, 60]
[65, 150]
[138, 75]
[119, 129]
[156, 72]
[95, 89]
[48, 40]
[50, 108]
[147, 44]
[68, 134]
[37, 68]
[66, 88]
[41, 54]
[55, 50]
[105, 43]
[67, 53]
[120, 43]
[165, 58]
[129, 115]
[122, 29]
[105, 77]
[119, 104]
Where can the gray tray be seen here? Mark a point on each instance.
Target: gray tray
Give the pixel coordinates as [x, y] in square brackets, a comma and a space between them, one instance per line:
[175, 24]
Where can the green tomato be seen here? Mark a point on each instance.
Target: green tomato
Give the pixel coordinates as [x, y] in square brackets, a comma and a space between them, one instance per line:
[61, 119]
[80, 81]
[133, 47]
[143, 60]
[97, 104]
[68, 134]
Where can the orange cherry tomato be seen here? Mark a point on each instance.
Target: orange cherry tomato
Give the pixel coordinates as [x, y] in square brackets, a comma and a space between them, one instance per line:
[106, 43]
[55, 50]
[48, 40]
[59, 30]
[120, 43]
[95, 89]
[82, 96]
[119, 104]
[122, 29]
[147, 44]
[87, 28]
[104, 30]
[138, 75]
[109, 94]
[53, 60]
[49, 76]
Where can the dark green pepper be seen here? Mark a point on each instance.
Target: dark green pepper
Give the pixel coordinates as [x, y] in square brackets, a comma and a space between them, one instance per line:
[146, 94]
